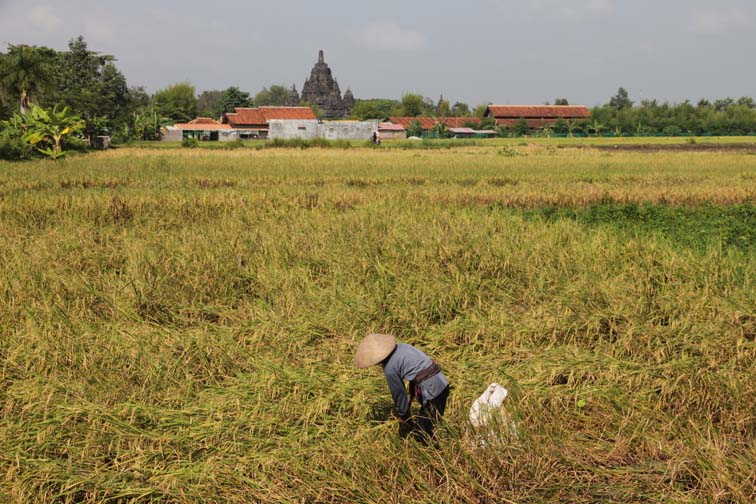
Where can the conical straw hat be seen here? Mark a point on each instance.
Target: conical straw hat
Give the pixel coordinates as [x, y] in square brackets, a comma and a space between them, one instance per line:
[373, 349]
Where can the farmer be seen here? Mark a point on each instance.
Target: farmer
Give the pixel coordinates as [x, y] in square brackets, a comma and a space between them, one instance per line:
[402, 362]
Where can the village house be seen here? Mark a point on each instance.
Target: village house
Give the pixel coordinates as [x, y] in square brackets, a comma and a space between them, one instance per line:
[536, 116]
[255, 122]
[428, 123]
[390, 131]
[458, 127]
[201, 128]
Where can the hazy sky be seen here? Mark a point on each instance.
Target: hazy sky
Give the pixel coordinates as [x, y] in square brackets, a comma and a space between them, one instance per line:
[503, 51]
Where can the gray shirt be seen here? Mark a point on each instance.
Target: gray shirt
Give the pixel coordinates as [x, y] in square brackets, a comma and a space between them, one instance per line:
[404, 364]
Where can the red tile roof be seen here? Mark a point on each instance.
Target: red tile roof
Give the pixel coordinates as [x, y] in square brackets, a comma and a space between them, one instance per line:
[295, 113]
[427, 123]
[195, 126]
[245, 117]
[538, 112]
[203, 120]
[387, 126]
[259, 117]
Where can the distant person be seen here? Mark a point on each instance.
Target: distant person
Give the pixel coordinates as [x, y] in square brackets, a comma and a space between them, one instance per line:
[400, 363]
[376, 138]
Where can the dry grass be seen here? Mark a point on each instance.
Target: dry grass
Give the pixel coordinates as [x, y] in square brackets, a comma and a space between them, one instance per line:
[179, 327]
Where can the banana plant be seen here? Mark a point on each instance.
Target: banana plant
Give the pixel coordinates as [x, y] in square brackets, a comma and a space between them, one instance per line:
[596, 127]
[48, 129]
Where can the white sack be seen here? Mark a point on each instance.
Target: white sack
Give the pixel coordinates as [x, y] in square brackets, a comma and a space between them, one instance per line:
[487, 404]
[487, 411]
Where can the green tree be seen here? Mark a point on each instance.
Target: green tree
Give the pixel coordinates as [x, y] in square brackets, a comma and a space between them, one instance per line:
[487, 123]
[560, 126]
[460, 109]
[234, 97]
[114, 96]
[138, 98]
[723, 104]
[90, 84]
[415, 129]
[210, 104]
[27, 73]
[376, 108]
[78, 85]
[146, 124]
[521, 128]
[177, 102]
[275, 96]
[621, 100]
[561, 101]
[480, 110]
[440, 130]
[746, 101]
[413, 105]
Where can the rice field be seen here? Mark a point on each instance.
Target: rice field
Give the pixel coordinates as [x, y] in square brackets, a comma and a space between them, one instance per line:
[178, 325]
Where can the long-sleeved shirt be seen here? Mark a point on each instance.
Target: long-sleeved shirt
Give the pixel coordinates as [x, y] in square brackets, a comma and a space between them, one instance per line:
[404, 364]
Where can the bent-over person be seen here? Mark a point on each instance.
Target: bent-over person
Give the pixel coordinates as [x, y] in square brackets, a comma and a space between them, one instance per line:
[400, 363]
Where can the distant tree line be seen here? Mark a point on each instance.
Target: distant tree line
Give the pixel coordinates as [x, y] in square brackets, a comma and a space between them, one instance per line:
[93, 89]
[411, 105]
[622, 117]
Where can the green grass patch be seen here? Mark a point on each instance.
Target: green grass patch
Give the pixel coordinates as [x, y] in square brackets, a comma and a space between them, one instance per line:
[697, 227]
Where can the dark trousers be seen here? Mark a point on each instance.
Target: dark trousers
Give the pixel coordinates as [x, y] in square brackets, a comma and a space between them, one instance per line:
[431, 413]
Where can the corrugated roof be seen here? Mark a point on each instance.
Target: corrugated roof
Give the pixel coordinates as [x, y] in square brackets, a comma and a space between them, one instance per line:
[427, 123]
[538, 111]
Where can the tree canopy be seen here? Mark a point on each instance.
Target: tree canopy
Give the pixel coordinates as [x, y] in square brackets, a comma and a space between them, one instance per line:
[177, 101]
[275, 95]
[209, 104]
[234, 97]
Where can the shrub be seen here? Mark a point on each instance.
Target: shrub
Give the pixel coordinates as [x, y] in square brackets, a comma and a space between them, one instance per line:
[672, 130]
[234, 144]
[319, 142]
[14, 148]
[190, 143]
[415, 129]
[50, 131]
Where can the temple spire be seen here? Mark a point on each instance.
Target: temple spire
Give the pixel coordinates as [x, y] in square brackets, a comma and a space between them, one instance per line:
[322, 90]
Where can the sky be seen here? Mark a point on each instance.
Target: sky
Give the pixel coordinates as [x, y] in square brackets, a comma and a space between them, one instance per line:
[474, 51]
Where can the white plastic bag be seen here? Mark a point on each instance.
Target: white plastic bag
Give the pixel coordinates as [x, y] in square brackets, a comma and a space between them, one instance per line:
[487, 404]
[487, 413]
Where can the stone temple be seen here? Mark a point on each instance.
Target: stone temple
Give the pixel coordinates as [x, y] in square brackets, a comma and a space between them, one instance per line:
[322, 90]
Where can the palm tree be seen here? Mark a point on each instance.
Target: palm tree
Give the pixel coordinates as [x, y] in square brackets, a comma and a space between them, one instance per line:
[25, 72]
